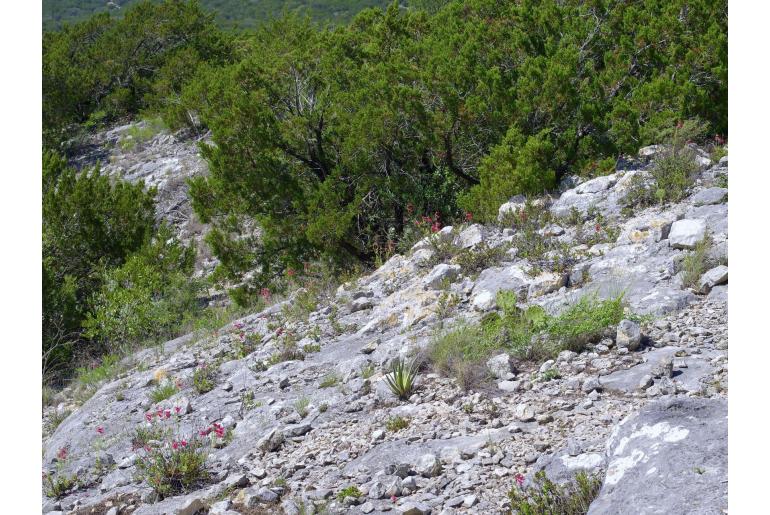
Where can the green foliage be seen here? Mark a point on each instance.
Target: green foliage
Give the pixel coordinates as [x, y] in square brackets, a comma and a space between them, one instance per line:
[529, 333]
[329, 380]
[461, 353]
[301, 405]
[162, 392]
[56, 419]
[518, 165]
[544, 497]
[104, 67]
[141, 133]
[474, 261]
[350, 491]
[287, 350]
[204, 378]
[718, 152]
[403, 108]
[397, 423]
[170, 471]
[581, 323]
[542, 250]
[248, 402]
[151, 297]
[695, 263]
[550, 374]
[367, 370]
[90, 223]
[143, 435]
[93, 375]
[401, 379]
[673, 170]
[58, 484]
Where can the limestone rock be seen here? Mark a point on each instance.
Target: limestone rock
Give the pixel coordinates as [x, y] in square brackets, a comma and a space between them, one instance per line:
[484, 301]
[440, 273]
[546, 282]
[470, 237]
[428, 465]
[685, 234]
[524, 412]
[271, 441]
[414, 508]
[713, 277]
[682, 444]
[629, 335]
[500, 366]
[709, 196]
[511, 207]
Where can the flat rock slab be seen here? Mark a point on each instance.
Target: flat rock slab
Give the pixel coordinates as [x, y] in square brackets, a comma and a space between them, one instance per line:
[671, 457]
[402, 451]
[495, 279]
[709, 196]
[687, 379]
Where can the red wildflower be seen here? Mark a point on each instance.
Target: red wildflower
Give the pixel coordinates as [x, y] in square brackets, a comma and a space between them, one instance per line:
[183, 443]
[436, 227]
[265, 293]
[290, 272]
[160, 413]
[62, 454]
[168, 413]
[174, 445]
[204, 432]
[468, 216]
[519, 479]
[393, 498]
[177, 409]
[100, 430]
[148, 416]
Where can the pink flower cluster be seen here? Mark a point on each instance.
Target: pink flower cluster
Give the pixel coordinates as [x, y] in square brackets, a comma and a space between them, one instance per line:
[519, 479]
[218, 429]
[178, 445]
[434, 222]
[161, 414]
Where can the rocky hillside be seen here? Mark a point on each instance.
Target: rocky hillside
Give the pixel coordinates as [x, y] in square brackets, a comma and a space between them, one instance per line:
[146, 151]
[294, 413]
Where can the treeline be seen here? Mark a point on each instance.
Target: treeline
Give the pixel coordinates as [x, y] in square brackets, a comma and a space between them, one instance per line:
[337, 140]
[242, 14]
[334, 139]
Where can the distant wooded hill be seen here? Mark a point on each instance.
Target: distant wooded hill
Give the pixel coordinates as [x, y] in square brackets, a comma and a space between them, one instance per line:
[230, 13]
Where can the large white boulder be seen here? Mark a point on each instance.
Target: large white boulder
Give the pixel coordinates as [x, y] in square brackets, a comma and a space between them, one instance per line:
[687, 233]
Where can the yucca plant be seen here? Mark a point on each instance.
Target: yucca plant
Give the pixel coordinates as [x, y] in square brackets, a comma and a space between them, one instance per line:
[401, 379]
